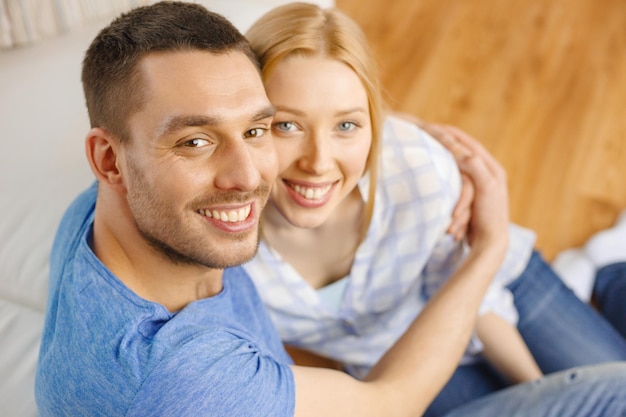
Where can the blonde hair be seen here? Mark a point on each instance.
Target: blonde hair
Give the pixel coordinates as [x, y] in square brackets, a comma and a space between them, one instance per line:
[308, 30]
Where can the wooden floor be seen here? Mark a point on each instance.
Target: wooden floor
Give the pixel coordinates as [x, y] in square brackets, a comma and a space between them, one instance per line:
[541, 83]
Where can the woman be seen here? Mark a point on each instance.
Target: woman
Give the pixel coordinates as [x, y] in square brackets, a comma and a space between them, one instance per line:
[354, 240]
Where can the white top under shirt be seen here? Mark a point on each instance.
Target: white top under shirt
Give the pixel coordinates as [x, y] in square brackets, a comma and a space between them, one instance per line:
[404, 258]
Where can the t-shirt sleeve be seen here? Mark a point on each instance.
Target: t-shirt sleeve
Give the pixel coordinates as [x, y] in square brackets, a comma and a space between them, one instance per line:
[224, 377]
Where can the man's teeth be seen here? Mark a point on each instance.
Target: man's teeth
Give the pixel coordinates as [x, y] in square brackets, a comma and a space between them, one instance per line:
[311, 193]
[228, 216]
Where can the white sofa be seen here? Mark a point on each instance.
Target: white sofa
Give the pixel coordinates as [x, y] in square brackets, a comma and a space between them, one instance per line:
[43, 122]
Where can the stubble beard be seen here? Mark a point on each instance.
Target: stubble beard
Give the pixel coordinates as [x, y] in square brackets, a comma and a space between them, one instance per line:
[179, 241]
[209, 260]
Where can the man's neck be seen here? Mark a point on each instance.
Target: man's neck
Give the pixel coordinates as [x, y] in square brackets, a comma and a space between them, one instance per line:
[149, 273]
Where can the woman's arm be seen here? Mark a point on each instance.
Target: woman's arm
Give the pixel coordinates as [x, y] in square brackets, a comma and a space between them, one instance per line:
[505, 349]
[302, 357]
[415, 369]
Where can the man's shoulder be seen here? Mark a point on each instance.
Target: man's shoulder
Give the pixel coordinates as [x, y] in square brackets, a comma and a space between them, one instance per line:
[137, 354]
[77, 217]
[217, 373]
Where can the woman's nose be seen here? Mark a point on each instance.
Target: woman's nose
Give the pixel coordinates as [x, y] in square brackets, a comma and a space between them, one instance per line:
[317, 156]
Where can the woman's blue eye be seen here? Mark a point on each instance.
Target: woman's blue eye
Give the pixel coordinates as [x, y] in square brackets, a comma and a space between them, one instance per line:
[346, 126]
[284, 126]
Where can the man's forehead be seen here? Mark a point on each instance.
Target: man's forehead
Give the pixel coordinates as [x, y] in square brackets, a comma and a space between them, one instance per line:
[210, 63]
[198, 73]
[197, 82]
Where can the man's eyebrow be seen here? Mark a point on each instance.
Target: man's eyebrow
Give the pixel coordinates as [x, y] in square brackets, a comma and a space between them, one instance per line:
[176, 123]
[265, 113]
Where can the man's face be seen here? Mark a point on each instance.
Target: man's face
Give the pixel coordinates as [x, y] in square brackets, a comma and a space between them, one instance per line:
[200, 159]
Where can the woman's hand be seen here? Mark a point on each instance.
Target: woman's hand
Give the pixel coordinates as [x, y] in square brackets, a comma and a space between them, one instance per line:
[490, 208]
[480, 174]
[462, 212]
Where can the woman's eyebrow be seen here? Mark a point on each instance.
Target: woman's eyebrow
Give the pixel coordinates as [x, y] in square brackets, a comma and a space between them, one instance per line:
[290, 110]
[351, 110]
[358, 109]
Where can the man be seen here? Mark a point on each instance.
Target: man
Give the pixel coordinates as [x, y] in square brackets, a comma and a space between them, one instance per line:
[142, 317]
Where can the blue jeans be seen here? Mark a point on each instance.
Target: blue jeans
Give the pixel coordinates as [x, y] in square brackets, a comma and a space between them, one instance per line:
[610, 294]
[561, 332]
[594, 391]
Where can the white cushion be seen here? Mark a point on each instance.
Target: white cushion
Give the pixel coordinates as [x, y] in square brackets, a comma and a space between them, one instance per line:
[43, 122]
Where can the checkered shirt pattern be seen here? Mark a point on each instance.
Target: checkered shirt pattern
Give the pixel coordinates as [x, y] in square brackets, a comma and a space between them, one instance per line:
[404, 258]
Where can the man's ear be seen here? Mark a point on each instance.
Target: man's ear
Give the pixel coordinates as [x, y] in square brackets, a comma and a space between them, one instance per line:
[104, 156]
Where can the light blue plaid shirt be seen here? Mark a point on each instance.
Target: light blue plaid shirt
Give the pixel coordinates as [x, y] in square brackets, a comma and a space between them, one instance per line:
[404, 258]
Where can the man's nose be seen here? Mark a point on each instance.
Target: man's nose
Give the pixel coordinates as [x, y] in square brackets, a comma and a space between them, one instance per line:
[237, 169]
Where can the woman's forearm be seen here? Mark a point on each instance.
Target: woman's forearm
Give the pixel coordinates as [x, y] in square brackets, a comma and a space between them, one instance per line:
[423, 360]
[505, 349]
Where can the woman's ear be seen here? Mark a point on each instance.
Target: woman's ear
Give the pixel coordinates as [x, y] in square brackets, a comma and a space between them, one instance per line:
[103, 154]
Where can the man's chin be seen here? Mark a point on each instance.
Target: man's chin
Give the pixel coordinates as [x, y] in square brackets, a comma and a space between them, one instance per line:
[240, 256]
[241, 259]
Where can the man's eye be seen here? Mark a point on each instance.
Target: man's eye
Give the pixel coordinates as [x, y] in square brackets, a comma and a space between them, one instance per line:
[346, 126]
[284, 126]
[196, 143]
[255, 133]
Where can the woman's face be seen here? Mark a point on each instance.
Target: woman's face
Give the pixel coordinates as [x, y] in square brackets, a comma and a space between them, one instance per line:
[322, 130]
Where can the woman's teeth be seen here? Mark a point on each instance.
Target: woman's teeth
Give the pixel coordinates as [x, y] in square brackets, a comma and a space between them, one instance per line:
[311, 193]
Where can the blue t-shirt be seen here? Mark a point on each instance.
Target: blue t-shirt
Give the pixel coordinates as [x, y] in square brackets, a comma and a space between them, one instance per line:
[105, 351]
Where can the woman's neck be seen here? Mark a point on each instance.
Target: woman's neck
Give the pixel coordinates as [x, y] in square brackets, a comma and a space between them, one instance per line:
[323, 254]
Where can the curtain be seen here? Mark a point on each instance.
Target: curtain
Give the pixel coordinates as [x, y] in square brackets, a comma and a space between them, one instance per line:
[23, 22]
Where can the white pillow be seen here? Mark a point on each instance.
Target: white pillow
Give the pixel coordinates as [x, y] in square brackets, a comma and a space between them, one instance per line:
[43, 123]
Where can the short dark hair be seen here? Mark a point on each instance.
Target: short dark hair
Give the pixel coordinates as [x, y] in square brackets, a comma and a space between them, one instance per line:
[111, 80]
